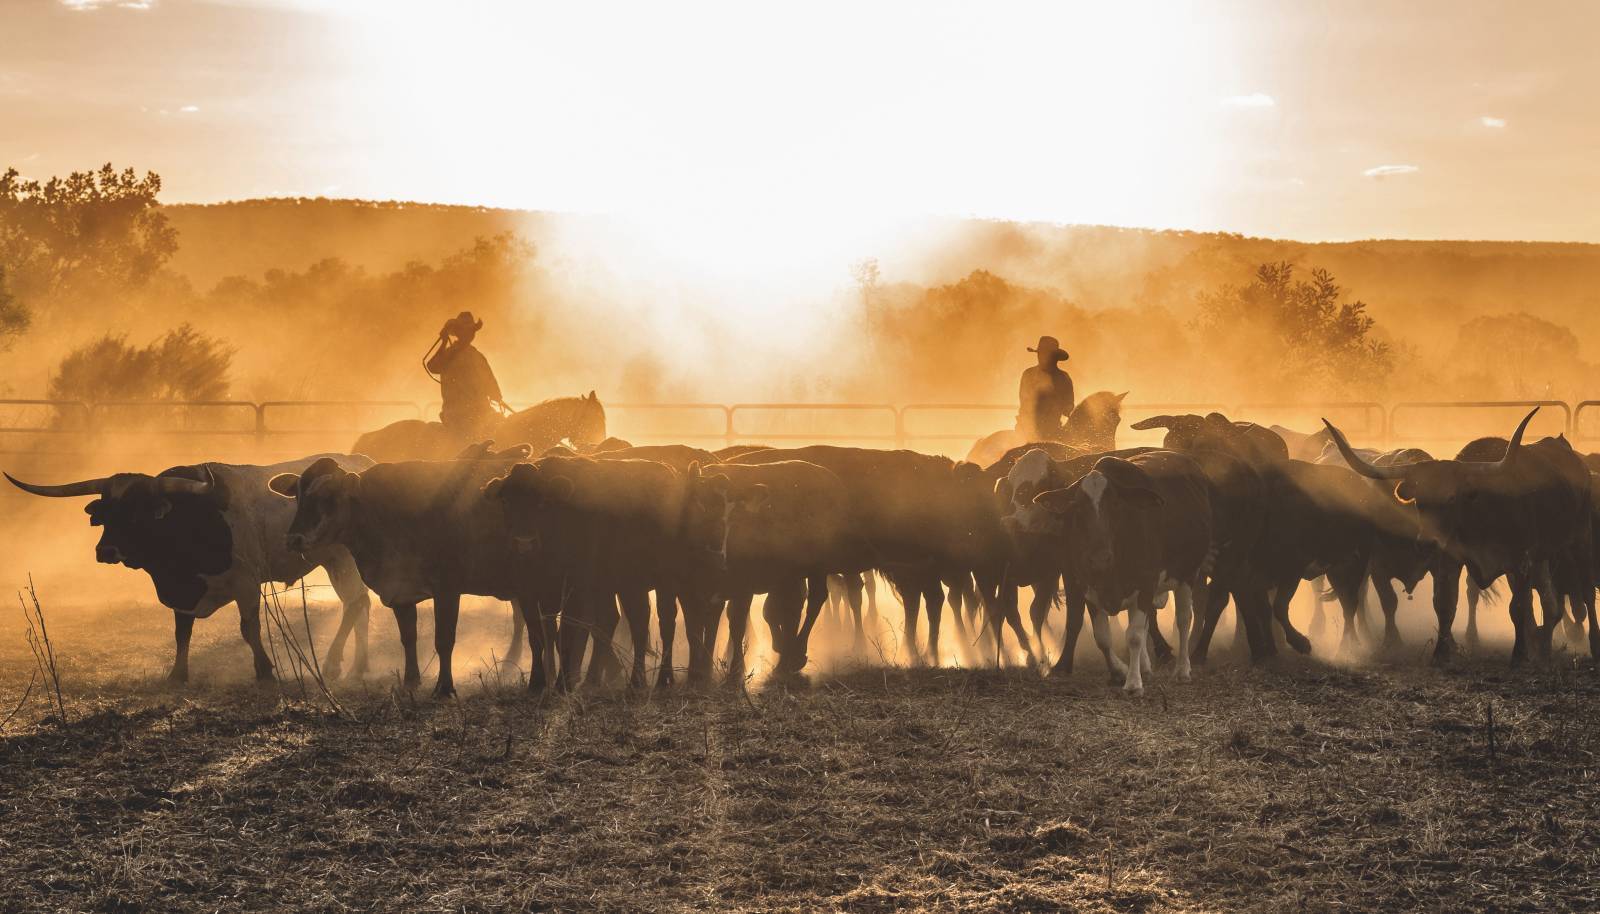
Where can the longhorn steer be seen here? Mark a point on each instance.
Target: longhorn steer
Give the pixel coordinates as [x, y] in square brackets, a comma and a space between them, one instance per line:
[210, 535]
[1520, 516]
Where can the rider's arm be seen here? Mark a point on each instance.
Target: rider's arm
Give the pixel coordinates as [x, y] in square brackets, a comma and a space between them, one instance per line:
[442, 357]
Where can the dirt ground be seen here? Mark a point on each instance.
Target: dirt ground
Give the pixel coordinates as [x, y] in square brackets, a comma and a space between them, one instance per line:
[1306, 786]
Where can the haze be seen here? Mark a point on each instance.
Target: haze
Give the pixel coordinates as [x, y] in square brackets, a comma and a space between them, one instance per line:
[700, 122]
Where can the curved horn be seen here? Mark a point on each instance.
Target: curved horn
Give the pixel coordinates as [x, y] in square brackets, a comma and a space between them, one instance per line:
[1154, 422]
[1356, 463]
[177, 485]
[67, 490]
[1512, 448]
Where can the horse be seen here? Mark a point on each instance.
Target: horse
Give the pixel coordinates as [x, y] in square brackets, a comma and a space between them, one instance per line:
[1092, 426]
[580, 420]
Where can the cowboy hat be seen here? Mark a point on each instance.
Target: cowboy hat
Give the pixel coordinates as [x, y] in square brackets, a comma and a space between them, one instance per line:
[463, 322]
[1050, 344]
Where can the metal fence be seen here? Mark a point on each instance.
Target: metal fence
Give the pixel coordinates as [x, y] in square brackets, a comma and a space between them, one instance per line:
[239, 429]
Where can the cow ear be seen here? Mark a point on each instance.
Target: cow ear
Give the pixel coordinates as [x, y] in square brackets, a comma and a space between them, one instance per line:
[592, 396]
[1002, 488]
[284, 484]
[694, 469]
[560, 488]
[966, 471]
[1054, 500]
[492, 488]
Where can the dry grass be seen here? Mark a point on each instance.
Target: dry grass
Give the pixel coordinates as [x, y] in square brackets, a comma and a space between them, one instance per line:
[1303, 787]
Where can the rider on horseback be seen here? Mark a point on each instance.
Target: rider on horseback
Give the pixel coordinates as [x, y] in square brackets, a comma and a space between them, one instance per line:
[467, 385]
[1045, 394]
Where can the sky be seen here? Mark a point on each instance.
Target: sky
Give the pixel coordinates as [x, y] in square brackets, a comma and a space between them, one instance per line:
[1314, 120]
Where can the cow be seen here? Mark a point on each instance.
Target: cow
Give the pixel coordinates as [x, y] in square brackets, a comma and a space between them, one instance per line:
[418, 530]
[789, 526]
[927, 519]
[1520, 516]
[209, 535]
[594, 531]
[1188, 433]
[1133, 530]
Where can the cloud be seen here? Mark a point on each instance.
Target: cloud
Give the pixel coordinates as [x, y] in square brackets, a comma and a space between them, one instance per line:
[1494, 123]
[1384, 171]
[88, 5]
[189, 109]
[1253, 100]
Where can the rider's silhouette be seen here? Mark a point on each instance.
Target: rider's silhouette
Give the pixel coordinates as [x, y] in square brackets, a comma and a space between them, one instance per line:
[467, 385]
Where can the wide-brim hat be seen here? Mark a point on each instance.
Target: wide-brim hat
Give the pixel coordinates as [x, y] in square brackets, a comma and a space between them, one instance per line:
[1050, 344]
[465, 321]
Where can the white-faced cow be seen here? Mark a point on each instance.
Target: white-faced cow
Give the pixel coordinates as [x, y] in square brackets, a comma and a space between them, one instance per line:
[1135, 529]
[211, 534]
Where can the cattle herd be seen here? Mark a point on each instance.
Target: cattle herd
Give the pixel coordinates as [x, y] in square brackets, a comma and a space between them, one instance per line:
[578, 537]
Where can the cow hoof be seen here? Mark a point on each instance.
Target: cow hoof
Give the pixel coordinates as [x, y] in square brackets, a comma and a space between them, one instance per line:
[1133, 691]
[1060, 671]
[264, 676]
[178, 678]
[444, 690]
[333, 672]
[1183, 674]
[1298, 641]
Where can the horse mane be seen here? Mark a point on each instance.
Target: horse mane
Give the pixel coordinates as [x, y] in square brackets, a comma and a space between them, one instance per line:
[1087, 425]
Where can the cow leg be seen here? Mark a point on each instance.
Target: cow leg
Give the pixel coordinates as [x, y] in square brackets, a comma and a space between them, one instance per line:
[526, 608]
[603, 626]
[572, 634]
[1594, 629]
[933, 597]
[1319, 616]
[1551, 610]
[446, 613]
[1182, 621]
[1044, 594]
[1521, 610]
[1346, 583]
[1156, 643]
[911, 594]
[357, 614]
[250, 629]
[1446, 584]
[1103, 640]
[781, 610]
[1138, 630]
[1573, 624]
[854, 589]
[1206, 622]
[1390, 602]
[667, 622]
[738, 619]
[1280, 612]
[636, 609]
[512, 660]
[1253, 611]
[1069, 635]
[182, 630]
[405, 617]
[816, 591]
[1474, 594]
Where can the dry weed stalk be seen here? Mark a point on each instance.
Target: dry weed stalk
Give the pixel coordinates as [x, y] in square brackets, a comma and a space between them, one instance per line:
[44, 652]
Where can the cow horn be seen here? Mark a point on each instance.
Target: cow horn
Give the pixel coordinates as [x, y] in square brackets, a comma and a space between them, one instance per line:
[1356, 463]
[66, 490]
[1153, 422]
[177, 485]
[1512, 448]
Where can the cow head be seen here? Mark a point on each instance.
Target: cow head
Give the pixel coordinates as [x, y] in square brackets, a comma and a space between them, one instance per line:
[1459, 502]
[325, 497]
[170, 525]
[526, 493]
[1034, 472]
[1085, 509]
[708, 507]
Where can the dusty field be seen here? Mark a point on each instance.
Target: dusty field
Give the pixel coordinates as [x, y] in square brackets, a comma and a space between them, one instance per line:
[1301, 787]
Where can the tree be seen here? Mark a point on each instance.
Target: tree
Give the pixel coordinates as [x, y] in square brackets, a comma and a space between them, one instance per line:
[182, 365]
[14, 318]
[1289, 336]
[92, 233]
[1519, 355]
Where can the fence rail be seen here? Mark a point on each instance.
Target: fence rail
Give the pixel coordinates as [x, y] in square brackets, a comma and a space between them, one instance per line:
[38, 421]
